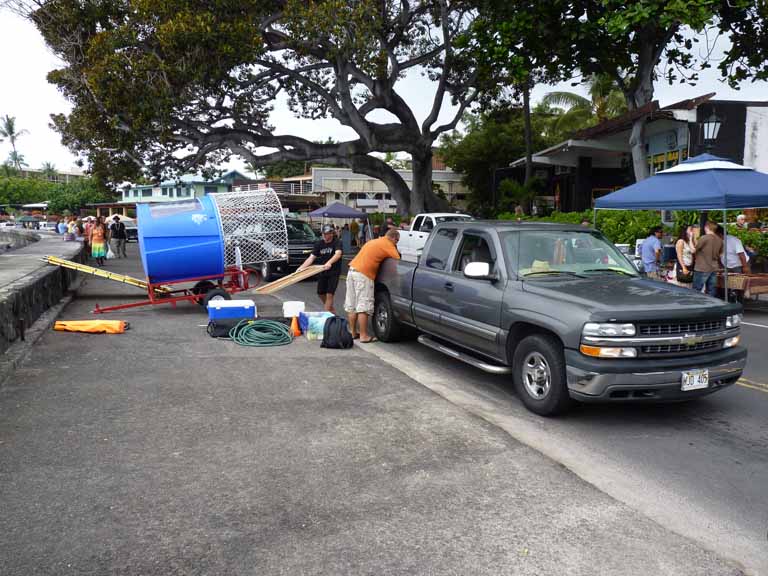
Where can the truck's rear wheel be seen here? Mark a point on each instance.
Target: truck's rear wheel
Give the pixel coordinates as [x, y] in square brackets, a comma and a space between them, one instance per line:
[385, 325]
[267, 272]
[539, 375]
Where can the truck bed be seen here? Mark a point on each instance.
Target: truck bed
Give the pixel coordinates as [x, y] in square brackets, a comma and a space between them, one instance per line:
[397, 276]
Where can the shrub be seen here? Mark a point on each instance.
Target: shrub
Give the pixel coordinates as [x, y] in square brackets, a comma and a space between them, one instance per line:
[620, 226]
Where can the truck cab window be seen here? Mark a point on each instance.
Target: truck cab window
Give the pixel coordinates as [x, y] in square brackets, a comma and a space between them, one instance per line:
[473, 249]
[427, 225]
[417, 223]
[440, 249]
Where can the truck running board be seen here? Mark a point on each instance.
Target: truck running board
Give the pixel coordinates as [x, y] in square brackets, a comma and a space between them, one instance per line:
[463, 356]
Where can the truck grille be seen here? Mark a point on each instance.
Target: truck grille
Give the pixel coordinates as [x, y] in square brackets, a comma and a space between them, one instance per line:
[675, 328]
[680, 349]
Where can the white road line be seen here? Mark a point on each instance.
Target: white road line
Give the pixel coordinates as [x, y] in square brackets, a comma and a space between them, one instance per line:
[758, 325]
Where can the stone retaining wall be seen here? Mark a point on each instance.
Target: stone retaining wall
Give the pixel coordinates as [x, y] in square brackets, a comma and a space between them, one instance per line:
[13, 239]
[28, 286]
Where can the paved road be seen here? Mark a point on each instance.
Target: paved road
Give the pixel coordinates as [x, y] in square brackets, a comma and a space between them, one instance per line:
[700, 469]
[161, 451]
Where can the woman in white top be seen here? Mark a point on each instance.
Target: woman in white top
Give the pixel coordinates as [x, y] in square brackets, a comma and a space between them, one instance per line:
[686, 251]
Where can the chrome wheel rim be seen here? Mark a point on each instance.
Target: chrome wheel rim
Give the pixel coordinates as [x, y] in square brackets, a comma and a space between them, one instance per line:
[537, 376]
[382, 318]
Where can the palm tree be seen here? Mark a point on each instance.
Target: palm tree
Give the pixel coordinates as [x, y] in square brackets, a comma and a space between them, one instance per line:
[48, 170]
[575, 112]
[8, 130]
[17, 160]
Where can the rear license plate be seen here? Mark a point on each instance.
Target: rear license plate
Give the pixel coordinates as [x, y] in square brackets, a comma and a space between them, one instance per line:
[695, 380]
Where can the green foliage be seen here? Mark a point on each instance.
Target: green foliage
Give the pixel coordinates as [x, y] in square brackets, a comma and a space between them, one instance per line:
[60, 197]
[753, 239]
[283, 169]
[492, 141]
[574, 112]
[9, 131]
[512, 193]
[619, 226]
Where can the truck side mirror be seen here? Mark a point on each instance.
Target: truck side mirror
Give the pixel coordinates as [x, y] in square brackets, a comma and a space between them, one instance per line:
[478, 270]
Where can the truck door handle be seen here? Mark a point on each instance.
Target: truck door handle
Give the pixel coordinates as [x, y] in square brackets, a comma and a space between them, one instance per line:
[449, 286]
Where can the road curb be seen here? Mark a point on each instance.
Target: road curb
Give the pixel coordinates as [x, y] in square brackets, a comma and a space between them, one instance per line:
[19, 351]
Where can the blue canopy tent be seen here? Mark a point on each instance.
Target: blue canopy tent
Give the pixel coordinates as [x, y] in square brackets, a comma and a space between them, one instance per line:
[704, 182]
[337, 210]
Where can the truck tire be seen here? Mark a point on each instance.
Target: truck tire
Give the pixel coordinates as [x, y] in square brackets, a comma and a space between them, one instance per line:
[385, 325]
[539, 375]
[216, 294]
[267, 273]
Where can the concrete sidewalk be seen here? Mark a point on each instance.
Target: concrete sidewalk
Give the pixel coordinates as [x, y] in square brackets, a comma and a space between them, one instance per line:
[162, 451]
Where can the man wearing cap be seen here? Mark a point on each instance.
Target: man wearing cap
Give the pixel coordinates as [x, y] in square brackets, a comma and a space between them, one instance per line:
[327, 253]
[119, 235]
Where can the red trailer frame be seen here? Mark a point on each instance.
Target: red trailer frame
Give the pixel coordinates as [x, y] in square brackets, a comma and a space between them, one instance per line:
[232, 281]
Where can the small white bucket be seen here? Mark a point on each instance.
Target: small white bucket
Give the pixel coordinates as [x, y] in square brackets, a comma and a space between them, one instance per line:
[292, 308]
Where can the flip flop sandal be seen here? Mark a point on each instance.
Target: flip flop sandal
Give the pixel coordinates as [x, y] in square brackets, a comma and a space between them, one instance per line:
[374, 339]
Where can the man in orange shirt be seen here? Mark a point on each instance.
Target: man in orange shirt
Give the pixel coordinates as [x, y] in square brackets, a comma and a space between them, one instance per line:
[361, 278]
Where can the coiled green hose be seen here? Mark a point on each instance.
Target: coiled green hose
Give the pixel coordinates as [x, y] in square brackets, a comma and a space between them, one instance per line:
[261, 333]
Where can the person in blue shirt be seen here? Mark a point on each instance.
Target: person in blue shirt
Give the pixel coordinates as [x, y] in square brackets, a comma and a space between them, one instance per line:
[651, 253]
[61, 227]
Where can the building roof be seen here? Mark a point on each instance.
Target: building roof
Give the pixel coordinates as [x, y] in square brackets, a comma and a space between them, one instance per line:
[690, 103]
[621, 123]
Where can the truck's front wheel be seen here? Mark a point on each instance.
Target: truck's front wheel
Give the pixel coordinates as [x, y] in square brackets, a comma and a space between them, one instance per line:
[539, 375]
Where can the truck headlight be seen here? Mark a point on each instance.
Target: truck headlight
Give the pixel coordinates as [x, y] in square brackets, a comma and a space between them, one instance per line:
[608, 329]
[733, 321]
[731, 342]
[606, 352]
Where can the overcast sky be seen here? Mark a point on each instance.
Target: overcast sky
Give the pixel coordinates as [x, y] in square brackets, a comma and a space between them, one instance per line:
[26, 94]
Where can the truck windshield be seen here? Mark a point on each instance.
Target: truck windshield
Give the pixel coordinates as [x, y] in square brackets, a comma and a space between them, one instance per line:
[299, 231]
[545, 253]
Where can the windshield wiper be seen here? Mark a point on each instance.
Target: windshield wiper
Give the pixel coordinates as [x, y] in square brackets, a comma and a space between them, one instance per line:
[614, 270]
[548, 272]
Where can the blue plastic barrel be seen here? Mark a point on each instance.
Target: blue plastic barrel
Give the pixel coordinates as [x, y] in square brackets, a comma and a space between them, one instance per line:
[180, 240]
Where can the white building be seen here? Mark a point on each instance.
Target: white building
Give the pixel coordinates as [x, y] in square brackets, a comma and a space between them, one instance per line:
[368, 194]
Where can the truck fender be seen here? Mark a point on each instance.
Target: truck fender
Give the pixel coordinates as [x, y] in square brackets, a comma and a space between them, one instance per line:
[533, 323]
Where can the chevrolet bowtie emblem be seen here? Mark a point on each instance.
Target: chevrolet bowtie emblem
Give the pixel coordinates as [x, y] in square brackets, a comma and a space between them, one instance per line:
[692, 339]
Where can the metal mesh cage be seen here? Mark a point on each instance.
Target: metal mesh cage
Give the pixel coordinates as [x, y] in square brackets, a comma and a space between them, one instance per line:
[252, 222]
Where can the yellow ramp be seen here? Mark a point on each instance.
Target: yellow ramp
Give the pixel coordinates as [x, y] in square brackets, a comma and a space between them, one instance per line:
[101, 273]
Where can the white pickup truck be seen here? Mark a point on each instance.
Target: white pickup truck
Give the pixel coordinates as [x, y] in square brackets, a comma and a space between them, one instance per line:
[412, 241]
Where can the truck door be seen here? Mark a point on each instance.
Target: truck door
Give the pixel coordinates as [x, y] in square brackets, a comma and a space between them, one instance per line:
[473, 311]
[430, 296]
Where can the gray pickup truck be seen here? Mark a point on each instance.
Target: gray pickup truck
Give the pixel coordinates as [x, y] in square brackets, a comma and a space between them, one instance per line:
[563, 311]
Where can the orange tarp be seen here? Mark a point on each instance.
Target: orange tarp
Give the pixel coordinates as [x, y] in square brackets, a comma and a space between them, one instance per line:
[92, 326]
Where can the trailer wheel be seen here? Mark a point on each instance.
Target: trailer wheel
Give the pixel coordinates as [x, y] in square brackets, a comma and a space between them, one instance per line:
[216, 294]
[201, 289]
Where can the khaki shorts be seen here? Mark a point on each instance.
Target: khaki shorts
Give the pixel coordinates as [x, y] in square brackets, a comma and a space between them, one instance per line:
[359, 293]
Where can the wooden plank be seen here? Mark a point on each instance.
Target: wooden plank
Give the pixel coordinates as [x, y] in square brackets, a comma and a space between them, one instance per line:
[289, 280]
